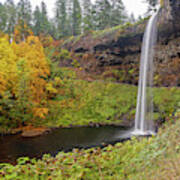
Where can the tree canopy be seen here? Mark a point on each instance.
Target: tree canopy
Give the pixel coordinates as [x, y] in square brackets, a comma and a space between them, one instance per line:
[71, 17]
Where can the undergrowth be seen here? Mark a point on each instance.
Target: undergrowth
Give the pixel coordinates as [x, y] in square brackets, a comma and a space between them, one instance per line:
[83, 103]
[148, 158]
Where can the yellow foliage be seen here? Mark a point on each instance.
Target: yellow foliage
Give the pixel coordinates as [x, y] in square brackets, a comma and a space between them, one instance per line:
[23, 73]
[8, 69]
[40, 112]
[36, 66]
[21, 32]
[51, 89]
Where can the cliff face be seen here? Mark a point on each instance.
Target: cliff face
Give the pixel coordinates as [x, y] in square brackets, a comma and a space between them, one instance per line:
[116, 52]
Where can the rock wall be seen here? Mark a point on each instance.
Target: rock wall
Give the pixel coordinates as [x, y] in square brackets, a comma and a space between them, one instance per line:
[117, 53]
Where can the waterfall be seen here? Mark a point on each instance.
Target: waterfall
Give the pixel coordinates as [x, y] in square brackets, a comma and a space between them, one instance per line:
[144, 109]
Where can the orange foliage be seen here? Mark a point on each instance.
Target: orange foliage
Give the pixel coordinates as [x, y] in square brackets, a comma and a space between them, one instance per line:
[23, 73]
[36, 66]
[46, 40]
[21, 32]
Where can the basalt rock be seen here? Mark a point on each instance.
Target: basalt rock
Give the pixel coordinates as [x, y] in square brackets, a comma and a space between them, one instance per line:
[117, 52]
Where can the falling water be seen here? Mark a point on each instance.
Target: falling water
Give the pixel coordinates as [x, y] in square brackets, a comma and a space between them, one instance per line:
[144, 109]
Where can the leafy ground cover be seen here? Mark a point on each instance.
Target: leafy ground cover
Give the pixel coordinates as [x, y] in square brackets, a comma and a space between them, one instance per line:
[148, 158]
[106, 103]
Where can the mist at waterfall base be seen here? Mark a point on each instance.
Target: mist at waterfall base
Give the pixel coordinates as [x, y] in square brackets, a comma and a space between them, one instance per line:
[144, 124]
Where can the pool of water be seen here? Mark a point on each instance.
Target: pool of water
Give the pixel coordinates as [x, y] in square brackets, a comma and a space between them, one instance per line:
[63, 139]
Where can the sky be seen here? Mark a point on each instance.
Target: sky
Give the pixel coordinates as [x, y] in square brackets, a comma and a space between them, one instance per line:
[137, 7]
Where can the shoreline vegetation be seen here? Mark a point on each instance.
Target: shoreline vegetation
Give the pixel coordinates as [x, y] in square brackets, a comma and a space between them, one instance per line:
[101, 104]
[134, 159]
[47, 81]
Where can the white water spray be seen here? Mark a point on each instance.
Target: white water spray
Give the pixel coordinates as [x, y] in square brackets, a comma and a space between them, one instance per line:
[144, 109]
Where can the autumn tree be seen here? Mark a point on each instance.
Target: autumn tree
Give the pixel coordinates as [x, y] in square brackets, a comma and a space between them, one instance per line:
[24, 16]
[23, 79]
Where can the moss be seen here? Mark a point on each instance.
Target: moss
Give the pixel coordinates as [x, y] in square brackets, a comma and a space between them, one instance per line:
[69, 40]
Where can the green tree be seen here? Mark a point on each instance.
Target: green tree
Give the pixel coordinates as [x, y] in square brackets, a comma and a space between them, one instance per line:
[76, 18]
[24, 14]
[118, 13]
[87, 15]
[11, 16]
[45, 25]
[3, 18]
[132, 18]
[37, 21]
[61, 18]
[152, 2]
[102, 14]
[41, 22]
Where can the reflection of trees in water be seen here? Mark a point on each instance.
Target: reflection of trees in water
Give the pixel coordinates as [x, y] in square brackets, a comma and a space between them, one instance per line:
[13, 147]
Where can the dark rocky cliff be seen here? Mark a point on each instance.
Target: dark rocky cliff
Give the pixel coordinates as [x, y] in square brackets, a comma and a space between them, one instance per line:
[116, 52]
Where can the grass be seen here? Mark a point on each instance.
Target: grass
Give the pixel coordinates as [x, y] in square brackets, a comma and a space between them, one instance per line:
[84, 103]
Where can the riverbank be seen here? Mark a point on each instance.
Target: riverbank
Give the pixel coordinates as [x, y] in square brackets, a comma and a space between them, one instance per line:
[148, 158]
[102, 103]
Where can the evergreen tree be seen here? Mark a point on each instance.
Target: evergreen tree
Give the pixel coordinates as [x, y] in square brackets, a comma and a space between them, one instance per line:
[132, 18]
[61, 18]
[118, 13]
[103, 14]
[3, 18]
[37, 21]
[152, 3]
[87, 15]
[11, 16]
[24, 12]
[76, 18]
[40, 20]
[45, 25]
[69, 21]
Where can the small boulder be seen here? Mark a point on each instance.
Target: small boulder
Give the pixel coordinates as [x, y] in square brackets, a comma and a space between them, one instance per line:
[34, 132]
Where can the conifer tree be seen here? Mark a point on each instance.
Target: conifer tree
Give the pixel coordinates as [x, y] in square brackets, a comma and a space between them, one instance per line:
[118, 13]
[11, 16]
[3, 18]
[24, 16]
[45, 25]
[37, 21]
[103, 12]
[132, 18]
[76, 18]
[24, 12]
[87, 15]
[61, 18]
[152, 2]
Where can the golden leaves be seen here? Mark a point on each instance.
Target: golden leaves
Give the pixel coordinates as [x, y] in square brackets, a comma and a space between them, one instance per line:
[23, 72]
[40, 112]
